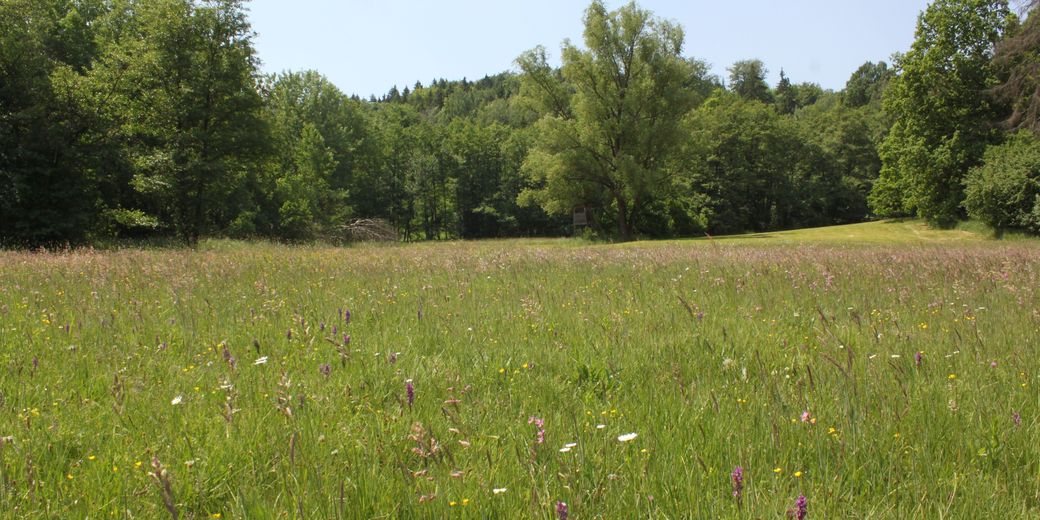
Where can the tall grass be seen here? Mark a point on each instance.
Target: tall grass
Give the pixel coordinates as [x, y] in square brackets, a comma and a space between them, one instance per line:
[222, 382]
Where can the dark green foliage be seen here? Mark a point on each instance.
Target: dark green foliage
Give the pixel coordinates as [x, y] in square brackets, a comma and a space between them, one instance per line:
[318, 138]
[1005, 191]
[1017, 60]
[48, 156]
[749, 169]
[179, 78]
[747, 79]
[867, 84]
[136, 119]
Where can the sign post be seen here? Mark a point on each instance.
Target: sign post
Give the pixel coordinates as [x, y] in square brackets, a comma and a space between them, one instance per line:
[581, 218]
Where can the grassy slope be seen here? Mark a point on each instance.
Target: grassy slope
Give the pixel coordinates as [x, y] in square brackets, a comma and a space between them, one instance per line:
[887, 232]
[881, 232]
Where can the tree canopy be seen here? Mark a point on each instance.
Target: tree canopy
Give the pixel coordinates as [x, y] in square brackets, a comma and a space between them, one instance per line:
[942, 113]
[134, 119]
[613, 114]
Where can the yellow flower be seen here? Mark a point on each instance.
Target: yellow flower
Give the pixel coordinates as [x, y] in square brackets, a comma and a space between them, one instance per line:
[501, 371]
[137, 464]
[453, 503]
[91, 457]
[465, 501]
[778, 470]
[951, 377]
[215, 515]
[798, 474]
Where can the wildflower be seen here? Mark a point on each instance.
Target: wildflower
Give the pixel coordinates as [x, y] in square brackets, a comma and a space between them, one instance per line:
[600, 426]
[565, 449]
[288, 334]
[798, 474]
[346, 339]
[993, 364]
[498, 491]
[738, 483]
[1016, 418]
[540, 424]
[393, 357]
[177, 400]
[628, 437]
[408, 388]
[561, 510]
[801, 507]
[951, 377]
[260, 360]
[918, 358]
[806, 416]
[325, 369]
[778, 470]
[465, 501]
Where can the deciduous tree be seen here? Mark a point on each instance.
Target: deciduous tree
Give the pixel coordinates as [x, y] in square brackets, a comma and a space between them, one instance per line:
[613, 119]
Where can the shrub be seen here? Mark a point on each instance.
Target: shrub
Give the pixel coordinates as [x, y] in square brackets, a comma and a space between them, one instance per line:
[1004, 191]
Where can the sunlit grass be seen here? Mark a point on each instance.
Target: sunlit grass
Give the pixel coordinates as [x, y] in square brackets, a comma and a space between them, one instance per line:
[795, 361]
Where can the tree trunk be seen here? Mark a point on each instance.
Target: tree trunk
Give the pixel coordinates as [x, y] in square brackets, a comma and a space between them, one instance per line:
[624, 226]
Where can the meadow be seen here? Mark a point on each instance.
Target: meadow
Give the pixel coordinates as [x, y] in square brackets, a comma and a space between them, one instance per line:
[879, 371]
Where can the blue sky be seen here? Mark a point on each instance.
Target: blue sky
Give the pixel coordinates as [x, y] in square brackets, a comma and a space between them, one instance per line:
[365, 47]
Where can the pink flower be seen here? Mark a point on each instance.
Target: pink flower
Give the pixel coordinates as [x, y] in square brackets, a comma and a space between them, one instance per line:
[540, 424]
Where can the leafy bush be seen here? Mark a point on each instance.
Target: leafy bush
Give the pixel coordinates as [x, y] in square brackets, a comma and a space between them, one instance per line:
[1005, 191]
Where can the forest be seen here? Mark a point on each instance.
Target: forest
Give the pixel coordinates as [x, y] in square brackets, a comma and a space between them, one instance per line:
[139, 119]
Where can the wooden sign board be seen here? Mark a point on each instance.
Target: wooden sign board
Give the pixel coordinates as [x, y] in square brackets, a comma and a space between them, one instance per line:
[581, 217]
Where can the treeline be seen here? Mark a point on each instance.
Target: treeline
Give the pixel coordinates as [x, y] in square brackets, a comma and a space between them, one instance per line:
[141, 118]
